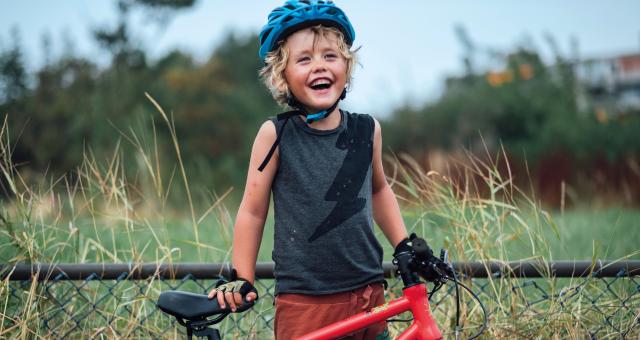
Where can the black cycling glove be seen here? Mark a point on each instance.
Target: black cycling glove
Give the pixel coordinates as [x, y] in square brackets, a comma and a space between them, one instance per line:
[407, 245]
[403, 246]
[237, 285]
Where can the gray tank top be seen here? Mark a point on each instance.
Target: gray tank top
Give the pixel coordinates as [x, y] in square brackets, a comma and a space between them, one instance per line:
[324, 241]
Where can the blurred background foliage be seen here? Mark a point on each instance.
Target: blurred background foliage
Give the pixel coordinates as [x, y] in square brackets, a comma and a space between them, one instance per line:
[540, 114]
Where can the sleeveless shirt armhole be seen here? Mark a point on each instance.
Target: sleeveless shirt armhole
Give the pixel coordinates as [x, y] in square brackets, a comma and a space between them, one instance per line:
[372, 122]
[372, 137]
[279, 123]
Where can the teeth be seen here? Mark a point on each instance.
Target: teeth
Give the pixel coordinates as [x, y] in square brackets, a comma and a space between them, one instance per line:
[320, 82]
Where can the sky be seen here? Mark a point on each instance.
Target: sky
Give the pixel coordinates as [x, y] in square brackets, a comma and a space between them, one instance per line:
[407, 49]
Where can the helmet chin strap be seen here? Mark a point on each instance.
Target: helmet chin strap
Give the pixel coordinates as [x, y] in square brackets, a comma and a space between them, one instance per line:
[299, 110]
[313, 117]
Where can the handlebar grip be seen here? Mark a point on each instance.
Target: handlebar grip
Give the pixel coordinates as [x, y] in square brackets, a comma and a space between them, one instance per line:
[421, 248]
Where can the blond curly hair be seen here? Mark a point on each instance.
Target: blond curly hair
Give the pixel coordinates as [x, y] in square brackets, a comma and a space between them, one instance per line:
[272, 74]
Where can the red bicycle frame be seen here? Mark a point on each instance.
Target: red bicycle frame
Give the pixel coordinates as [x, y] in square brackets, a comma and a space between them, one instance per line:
[414, 299]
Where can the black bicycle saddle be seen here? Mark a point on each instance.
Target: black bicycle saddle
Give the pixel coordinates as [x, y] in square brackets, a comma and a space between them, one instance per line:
[192, 306]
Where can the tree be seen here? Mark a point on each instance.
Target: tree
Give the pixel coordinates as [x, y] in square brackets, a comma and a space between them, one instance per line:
[13, 76]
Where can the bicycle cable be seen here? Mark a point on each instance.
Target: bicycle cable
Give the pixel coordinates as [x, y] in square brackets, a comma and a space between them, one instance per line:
[484, 311]
[399, 320]
[455, 280]
[444, 275]
[435, 289]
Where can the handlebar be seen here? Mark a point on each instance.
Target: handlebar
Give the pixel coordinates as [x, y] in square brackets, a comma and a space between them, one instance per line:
[420, 262]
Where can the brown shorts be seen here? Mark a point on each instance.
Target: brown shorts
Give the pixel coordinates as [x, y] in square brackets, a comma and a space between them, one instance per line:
[299, 314]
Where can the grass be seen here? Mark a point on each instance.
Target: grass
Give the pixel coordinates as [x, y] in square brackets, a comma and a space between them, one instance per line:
[582, 234]
[609, 233]
[102, 213]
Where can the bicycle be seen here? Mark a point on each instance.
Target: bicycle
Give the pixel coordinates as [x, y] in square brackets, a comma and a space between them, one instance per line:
[194, 310]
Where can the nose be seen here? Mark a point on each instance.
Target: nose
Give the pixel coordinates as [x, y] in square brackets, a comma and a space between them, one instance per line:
[318, 66]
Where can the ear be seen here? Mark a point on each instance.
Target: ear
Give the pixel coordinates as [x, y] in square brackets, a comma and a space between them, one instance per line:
[283, 87]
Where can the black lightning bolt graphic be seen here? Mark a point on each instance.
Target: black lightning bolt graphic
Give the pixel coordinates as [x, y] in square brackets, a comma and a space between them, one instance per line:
[357, 140]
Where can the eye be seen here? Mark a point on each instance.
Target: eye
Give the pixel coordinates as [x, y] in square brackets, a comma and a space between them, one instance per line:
[331, 56]
[303, 59]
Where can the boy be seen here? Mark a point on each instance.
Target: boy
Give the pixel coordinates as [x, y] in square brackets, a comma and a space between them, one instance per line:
[324, 168]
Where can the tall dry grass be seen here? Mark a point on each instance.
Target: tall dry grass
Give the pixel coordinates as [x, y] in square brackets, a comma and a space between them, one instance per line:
[475, 211]
[102, 213]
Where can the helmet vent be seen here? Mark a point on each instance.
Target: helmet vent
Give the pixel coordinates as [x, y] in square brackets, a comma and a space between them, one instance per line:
[332, 11]
[265, 35]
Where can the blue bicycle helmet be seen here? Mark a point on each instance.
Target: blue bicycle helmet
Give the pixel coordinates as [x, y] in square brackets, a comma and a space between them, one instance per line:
[295, 15]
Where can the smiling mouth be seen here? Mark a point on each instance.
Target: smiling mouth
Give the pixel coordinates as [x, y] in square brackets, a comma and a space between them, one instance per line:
[321, 85]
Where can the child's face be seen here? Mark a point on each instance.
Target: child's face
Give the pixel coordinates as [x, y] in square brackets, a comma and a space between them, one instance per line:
[315, 72]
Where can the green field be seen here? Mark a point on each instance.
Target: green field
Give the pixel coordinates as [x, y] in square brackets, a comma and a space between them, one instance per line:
[582, 234]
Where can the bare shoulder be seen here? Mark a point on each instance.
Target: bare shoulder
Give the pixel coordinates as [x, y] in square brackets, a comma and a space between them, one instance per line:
[267, 132]
[377, 129]
[265, 138]
[376, 124]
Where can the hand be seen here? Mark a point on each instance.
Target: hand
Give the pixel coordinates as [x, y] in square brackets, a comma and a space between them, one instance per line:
[232, 293]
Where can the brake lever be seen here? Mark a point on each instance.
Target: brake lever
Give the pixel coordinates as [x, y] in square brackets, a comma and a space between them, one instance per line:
[444, 255]
[444, 262]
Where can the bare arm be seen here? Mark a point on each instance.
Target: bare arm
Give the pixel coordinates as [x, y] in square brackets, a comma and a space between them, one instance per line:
[252, 213]
[386, 210]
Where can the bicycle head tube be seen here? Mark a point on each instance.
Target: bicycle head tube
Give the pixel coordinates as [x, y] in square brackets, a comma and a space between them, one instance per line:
[405, 263]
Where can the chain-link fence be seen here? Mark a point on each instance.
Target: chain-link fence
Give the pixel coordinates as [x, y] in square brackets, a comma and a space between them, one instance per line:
[523, 299]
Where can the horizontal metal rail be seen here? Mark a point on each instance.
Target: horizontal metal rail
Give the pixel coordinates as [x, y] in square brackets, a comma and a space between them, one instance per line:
[118, 300]
[264, 270]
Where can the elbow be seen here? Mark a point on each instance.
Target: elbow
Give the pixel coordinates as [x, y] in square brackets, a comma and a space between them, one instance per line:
[379, 188]
[253, 211]
[257, 214]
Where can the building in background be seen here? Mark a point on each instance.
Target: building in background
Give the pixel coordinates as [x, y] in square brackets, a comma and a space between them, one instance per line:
[607, 87]
[610, 86]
